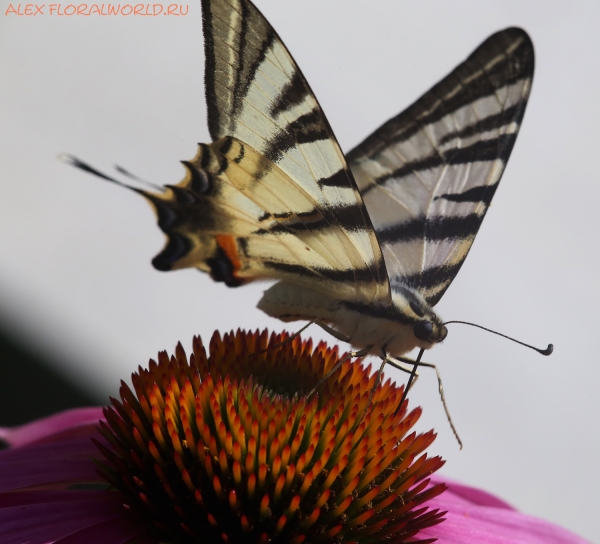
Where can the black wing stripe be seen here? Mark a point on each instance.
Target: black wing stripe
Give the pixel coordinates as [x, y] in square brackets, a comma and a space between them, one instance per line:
[434, 279]
[350, 275]
[468, 82]
[339, 179]
[294, 93]
[482, 193]
[214, 117]
[432, 229]
[241, 87]
[318, 220]
[484, 150]
[492, 122]
[380, 311]
[307, 128]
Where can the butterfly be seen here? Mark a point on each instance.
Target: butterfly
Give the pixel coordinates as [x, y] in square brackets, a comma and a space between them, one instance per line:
[366, 243]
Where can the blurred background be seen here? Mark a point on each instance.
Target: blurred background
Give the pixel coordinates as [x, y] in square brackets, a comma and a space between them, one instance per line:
[81, 306]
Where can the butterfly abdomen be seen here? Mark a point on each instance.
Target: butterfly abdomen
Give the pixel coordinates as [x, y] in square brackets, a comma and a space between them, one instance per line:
[386, 327]
[289, 302]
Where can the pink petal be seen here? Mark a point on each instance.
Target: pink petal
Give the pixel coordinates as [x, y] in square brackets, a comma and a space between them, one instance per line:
[113, 532]
[56, 463]
[50, 427]
[50, 492]
[45, 496]
[45, 517]
[476, 517]
[471, 495]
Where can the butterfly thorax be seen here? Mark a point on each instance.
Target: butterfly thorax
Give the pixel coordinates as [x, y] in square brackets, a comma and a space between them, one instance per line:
[408, 322]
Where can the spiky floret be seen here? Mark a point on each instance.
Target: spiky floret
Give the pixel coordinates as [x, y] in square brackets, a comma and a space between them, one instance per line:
[226, 447]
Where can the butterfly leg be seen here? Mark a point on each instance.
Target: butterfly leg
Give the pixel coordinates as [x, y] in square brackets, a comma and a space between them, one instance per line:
[395, 362]
[384, 359]
[338, 335]
[326, 328]
[351, 355]
[354, 354]
[289, 339]
[404, 367]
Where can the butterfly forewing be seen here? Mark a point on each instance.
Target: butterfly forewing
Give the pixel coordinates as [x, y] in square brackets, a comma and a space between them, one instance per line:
[428, 175]
[281, 155]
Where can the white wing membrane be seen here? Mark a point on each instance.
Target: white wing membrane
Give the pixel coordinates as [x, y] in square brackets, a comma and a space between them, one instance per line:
[428, 175]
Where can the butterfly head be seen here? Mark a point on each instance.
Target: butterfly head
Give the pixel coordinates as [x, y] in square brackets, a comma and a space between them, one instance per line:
[430, 330]
[427, 327]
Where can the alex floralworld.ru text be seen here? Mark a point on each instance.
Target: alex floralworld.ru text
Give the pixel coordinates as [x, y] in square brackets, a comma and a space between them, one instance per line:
[148, 10]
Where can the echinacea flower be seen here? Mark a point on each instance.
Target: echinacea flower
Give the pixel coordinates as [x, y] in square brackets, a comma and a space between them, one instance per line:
[227, 448]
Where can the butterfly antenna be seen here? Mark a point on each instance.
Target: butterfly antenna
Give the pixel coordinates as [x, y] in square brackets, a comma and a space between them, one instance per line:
[547, 351]
[147, 183]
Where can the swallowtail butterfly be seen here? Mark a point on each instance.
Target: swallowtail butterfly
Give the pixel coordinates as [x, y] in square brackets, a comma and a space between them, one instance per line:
[366, 242]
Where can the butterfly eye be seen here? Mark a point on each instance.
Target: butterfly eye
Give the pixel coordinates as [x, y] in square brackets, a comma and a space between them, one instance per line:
[423, 330]
[416, 308]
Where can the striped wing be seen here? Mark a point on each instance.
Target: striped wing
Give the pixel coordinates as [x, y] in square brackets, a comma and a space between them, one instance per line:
[427, 176]
[279, 200]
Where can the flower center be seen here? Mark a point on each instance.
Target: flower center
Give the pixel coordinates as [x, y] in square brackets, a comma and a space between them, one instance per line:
[225, 447]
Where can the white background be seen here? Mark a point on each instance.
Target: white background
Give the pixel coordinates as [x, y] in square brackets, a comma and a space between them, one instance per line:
[75, 276]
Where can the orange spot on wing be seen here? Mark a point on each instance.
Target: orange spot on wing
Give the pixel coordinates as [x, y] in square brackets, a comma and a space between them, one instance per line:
[228, 244]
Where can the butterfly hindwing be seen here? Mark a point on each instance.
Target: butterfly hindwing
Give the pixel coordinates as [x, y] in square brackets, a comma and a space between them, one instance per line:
[428, 175]
[280, 201]
[225, 220]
